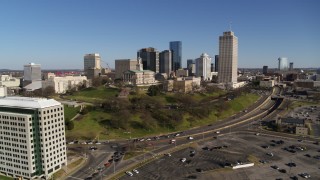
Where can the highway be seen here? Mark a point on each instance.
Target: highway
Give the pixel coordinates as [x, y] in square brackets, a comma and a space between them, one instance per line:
[261, 109]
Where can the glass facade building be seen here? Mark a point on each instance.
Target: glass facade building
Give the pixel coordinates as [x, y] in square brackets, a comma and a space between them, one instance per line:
[176, 48]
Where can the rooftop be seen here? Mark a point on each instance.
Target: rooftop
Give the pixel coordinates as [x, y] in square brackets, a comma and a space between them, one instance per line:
[27, 102]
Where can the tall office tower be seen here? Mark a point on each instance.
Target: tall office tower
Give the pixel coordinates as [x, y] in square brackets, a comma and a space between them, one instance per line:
[92, 65]
[92, 61]
[32, 72]
[191, 67]
[283, 64]
[265, 70]
[291, 66]
[176, 48]
[33, 143]
[203, 67]
[150, 59]
[165, 61]
[122, 65]
[216, 63]
[228, 58]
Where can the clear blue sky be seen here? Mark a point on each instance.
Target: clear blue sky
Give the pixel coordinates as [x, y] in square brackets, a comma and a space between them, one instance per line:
[57, 33]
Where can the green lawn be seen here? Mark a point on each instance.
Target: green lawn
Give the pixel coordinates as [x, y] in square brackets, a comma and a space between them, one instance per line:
[93, 94]
[94, 124]
[2, 177]
[88, 127]
[70, 112]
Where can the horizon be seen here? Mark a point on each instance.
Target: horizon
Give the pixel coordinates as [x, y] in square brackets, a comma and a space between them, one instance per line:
[58, 34]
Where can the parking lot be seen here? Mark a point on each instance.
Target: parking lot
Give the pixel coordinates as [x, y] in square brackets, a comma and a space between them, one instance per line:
[311, 114]
[213, 159]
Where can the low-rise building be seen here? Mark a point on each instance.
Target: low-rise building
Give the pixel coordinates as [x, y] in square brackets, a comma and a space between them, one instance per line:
[9, 81]
[267, 83]
[63, 84]
[182, 73]
[139, 78]
[182, 85]
[302, 130]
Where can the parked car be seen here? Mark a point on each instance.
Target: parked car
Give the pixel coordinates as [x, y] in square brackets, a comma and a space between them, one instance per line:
[183, 160]
[270, 154]
[305, 175]
[190, 138]
[129, 173]
[136, 171]
[275, 167]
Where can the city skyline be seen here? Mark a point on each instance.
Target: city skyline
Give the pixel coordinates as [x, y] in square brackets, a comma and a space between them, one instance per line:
[57, 34]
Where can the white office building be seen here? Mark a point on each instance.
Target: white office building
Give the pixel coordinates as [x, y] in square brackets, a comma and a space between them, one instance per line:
[203, 67]
[228, 58]
[62, 84]
[32, 137]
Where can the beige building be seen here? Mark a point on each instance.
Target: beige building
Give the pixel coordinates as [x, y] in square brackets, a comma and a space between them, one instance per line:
[9, 81]
[182, 73]
[92, 65]
[183, 84]
[62, 84]
[267, 83]
[122, 65]
[228, 58]
[302, 131]
[139, 78]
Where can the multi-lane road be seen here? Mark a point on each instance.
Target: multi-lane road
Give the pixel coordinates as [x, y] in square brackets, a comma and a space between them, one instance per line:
[262, 108]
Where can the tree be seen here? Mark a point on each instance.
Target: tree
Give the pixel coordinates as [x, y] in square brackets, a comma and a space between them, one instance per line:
[153, 90]
[48, 91]
[69, 124]
[120, 119]
[96, 82]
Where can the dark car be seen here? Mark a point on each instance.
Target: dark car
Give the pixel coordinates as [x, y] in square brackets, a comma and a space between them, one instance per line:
[291, 164]
[283, 171]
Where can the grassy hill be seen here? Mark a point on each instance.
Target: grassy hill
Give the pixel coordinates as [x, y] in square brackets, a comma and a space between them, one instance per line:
[98, 123]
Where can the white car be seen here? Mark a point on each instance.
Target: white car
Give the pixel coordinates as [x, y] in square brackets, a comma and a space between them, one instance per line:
[190, 138]
[270, 154]
[172, 141]
[129, 173]
[183, 160]
[305, 175]
[257, 134]
[136, 171]
[217, 132]
[168, 154]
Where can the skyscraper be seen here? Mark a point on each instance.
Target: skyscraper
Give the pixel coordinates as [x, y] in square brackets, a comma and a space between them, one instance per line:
[283, 64]
[92, 65]
[92, 61]
[216, 62]
[203, 66]
[32, 139]
[32, 72]
[150, 59]
[176, 48]
[122, 65]
[165, 62]
[265, 70]
[291, 66]
[191, 67]
[228, 58]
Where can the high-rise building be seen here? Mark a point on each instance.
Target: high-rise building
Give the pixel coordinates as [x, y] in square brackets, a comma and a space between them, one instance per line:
[176, 48]
[33, 143]
[212, 67]
[31, 77]
[291, 66]
[265, 70]
[191, 67]
[92, 61]
[228, 58]
[283, 64]
[32, 72]
[122, 65]
[216, 62]
[150, 59]
[92, 65]
[165, 62]
[203, 67]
